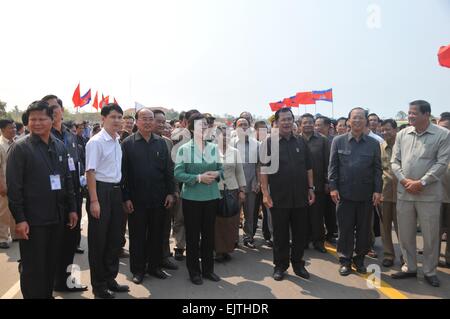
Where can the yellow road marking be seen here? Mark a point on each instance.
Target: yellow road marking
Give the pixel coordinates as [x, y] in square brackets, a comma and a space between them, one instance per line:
[384, 288]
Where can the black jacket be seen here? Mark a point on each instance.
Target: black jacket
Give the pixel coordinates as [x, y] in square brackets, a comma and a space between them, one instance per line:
[30, 164]
[355, 167]
[147, 171]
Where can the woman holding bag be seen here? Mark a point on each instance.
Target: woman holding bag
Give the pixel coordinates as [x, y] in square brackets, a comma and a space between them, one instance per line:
[232, 190]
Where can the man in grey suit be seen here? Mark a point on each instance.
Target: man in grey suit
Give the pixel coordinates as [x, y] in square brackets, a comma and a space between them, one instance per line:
[419, 159]
[354, 175]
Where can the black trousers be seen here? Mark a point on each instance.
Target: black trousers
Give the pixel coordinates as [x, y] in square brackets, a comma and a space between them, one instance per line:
[316, 229]
[146, 228]
[199, 223]
[265, 225]
[70, 241]
[355, 222]
[330, 217]
[283, 219]
[104, 236]
[39, 255]
[168, 217]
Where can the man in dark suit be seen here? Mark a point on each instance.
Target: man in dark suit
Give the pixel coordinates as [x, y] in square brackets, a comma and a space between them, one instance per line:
[42, 201]
[355, 177]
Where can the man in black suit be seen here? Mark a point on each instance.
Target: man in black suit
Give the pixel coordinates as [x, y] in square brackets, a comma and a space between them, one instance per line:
[355, 176]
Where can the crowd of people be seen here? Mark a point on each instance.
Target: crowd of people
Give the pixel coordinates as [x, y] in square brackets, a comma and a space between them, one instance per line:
[314, 182]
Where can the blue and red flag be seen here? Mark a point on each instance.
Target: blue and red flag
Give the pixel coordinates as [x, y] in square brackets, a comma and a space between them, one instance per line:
[326, 95]
[85, 99]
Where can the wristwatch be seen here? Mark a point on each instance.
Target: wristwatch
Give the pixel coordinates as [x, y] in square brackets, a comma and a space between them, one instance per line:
[313, 188]
[423, 182]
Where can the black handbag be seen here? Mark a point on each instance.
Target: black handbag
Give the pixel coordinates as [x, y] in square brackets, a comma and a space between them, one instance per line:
[229, 203]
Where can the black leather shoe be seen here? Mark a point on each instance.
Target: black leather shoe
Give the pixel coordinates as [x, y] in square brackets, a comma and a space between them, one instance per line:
[211, 276]
[250, 244]
[278, 274]
[114, 286]
[444, 264]
[138, 279]
[269, 243]
[197, 280]
[345, 270]
[361, 269]
[104, 294]
[387, 263]
[179, 254]
[4, 245]
[301, 271]
[403, 275]
[433, 280]
[158, 273]
[320, 248]
[79, 251]
[168, 264]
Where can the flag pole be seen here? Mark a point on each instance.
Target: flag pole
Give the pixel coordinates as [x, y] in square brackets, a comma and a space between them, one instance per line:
[332, 109]
[315, 109]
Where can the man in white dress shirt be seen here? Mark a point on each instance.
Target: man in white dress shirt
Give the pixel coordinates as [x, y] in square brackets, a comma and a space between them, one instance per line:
[103, 172]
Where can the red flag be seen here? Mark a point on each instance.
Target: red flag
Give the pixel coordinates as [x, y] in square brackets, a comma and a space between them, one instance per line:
[76, 97]
[305, 98]
[104, 101]
[276, 106]
[95, 104]
[291, 101]
[444, 56]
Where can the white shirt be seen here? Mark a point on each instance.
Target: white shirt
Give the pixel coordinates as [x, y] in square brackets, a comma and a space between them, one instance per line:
[377, 137]
[104, 156]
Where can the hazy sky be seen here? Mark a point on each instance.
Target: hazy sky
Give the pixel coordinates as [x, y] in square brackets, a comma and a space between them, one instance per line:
[226, 56]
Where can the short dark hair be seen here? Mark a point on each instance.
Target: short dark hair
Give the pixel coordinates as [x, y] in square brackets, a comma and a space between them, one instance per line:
[128, 117]
[139, 111]
[306, 115]
[50, 97]
[19, 126]
[366, 114]
[260, 123]
[373, 114]
[424, 106]
[445, 116]
[325, 119]
[389, 121]
[342, 119]
[159, 112]
[194, 117]
[182, 116]
[111, 107]
[5, 122]
[189, 113]
[25, 118]
[78, 124]
[283, 110]
[39, 106]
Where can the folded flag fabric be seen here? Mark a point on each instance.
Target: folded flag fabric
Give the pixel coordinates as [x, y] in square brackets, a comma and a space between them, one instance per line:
[76, 96]
[305, 98]
[276, 106]
[444, 56]
[85, 99]
[291, 101]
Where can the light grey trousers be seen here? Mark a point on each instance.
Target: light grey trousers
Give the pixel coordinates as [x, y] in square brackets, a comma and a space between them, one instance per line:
[428, 214]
